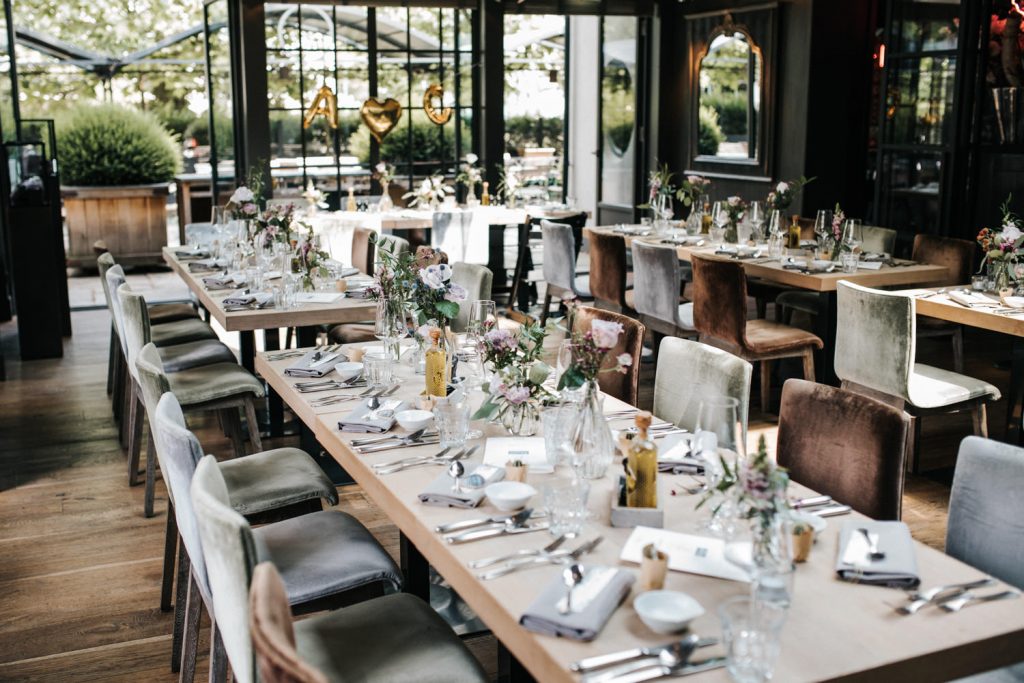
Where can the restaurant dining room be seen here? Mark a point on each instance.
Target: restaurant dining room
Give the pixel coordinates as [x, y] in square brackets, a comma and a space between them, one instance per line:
[557, 341]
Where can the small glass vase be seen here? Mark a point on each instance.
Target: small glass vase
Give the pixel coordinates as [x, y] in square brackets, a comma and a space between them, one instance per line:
[1000, 275]
[471, 199]
[385, 204]
[520, 419]
[772, 557]
[592, 445]
[695, 222]
[732, 233]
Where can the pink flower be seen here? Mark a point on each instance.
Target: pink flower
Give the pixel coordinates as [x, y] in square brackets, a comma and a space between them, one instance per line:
[516, 395]
[624, 362]
[782, 187]
[734, 201]
[249, 208]
[605, 333]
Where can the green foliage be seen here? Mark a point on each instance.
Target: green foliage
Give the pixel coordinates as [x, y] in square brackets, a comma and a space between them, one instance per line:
[427, 143]
[110, 145]
[175, 119]
[200, 130]
[531, 131]
[731, 110]
[710, 134]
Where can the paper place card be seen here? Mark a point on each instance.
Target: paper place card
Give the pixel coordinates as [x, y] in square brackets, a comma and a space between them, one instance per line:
[870, 265]
[702, 555]
[316, 297]
[530, 450]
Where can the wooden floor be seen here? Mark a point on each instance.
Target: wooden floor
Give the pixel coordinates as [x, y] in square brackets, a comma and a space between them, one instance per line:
[80, 566]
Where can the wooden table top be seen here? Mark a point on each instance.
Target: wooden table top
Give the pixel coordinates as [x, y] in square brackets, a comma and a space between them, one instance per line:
[942, 307]
[772, 271]
[835, 630]
[342, 311]
[417, 219]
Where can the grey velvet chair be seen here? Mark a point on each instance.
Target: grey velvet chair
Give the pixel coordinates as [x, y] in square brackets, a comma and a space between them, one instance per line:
[559, 267]
[876, 351]
[266, 486]
[477, 281]
[394, 639]
[223, 388]
[656, 281]
[688, 371]
[326, 559]
[876, 240]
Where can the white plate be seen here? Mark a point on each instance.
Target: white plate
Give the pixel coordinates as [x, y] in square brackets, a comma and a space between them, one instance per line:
[1014, 301]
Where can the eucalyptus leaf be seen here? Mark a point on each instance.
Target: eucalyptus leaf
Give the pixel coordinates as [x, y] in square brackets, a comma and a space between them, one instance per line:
[448, 309]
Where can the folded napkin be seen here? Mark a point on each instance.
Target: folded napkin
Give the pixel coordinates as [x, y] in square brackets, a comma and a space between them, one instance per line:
[898, 569]
[593, 601]
[258, 299]
[317, 297]
[192, 253]
[870, 265]
[206, 264]
[229, 281]
[677, 457]
[312, 366]
[439, 491]
[361, 419]
[971, 299]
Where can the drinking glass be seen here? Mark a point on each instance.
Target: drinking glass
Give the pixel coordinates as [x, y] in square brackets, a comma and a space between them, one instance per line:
[565, 502]
[563, 360]
[254, 279]
[719, 440]
[823, 225]
[756, 216]
[452, 420]
[377, 369]
[775, 226]
[482, 314]
[557, 423]
[469, 374]
[750, 631]
[720, 214]
[219, 216]
[852, 233]
[849, 261]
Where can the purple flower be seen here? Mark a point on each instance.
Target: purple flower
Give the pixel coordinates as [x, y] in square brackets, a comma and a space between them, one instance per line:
[500, 340]
[456, 293]
[515, 395]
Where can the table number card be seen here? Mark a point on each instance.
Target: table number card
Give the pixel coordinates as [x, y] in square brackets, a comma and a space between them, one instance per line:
[686, 553]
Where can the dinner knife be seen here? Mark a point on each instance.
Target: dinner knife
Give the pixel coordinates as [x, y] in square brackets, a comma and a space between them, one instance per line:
[589, 664]
[831, 511]
[491, 533]
[399, 444]
[323, 361]
[812, 501]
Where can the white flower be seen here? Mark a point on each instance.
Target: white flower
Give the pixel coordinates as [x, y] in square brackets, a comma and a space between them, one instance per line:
[734, 200]
[426, 186]
[1011, 233]
[456, 293]
[243, 195]
[605, 333]
[381, 167]
[624, 360]
[694, 179]
[435, 277]
[782, 188]
[471, 158]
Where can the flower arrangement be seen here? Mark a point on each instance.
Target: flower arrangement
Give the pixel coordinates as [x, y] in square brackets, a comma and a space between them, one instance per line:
[1001, 248]
[431, 191]
[384, 173]
[277, 224]
[314, 197]
[735, 208]
[242, 205]
[589, 352]
[435, 296]
[835, 237]
[395, 276]
[310, 261]
[509, 183]
[785, 192]
[519, 374]
[659, 183]
[471, 175]
[692, 188]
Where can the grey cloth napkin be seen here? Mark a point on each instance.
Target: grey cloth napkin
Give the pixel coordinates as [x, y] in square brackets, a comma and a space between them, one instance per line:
[259, 298]
[220, 282]
[192, 253]
[685, 465]
[593, 601]
[301, 367]
[360, 419]
[206, 264]
[898, 569]
[439, 491]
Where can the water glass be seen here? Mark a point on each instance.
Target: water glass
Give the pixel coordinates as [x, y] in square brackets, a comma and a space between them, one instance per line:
[452, 420]
[565, 503]
[377, 369]
[979, 283]
[751, 631]
[557, 423]
[849, 260]
[254, 279]
[717, 233]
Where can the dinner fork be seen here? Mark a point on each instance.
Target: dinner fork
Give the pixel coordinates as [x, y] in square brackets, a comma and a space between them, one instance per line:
[957, 604]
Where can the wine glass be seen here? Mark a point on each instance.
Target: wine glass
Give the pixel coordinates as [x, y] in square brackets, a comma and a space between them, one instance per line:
[719, 438]
[757, 218]
[482, 315]
[563, 360]
[852, 233]
[823, 225]
[775, 226]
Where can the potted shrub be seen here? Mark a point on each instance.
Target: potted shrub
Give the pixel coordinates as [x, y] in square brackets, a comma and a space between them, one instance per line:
[116, 164]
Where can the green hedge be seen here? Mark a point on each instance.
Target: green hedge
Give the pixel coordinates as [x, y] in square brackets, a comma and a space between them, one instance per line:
[427, 145]
[532, 131]
[710, 135]
[108, 145]
[731, 110]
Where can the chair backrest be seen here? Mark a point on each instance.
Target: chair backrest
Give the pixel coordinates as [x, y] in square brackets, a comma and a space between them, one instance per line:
[878, 240]
[179, 451]
[631, 341]
[363, 250]
[135, 324]
[689, 371]
[105, 262]
[392, 244]
[956, 255]
[115, 278]
[608, 268]
[656, 281]
[720, 300]
[477, 281]
[559, 255]
[845, 445]
[986, 509]
[875, 339]
[273, 637]
[230, 553]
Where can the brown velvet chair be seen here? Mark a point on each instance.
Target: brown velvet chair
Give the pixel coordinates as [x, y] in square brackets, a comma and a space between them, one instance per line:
[363, 250]
[958, 258]
[631, 341]
[844, 445]
[608, 271]
[719, 314]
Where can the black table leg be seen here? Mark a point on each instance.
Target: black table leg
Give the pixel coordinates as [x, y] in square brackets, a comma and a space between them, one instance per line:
[275, 406]
[247, 347]
[415, 568]
[825, 328]
[1015, 401]
[510, 670]
[306, 336]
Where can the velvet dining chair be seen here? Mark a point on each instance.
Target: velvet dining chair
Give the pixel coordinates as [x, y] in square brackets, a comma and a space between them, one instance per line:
[845, 445]
[609, 273]
[363, 250]
[957, 256]
[560, 278]
[657, 279]
[720, 315]
[621, 386]
[477, 281]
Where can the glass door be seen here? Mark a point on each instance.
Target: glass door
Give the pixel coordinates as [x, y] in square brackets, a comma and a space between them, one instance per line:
[619, 100]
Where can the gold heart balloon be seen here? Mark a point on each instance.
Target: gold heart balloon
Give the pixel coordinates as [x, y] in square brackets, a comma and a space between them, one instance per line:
[433, 104]
[381, 117]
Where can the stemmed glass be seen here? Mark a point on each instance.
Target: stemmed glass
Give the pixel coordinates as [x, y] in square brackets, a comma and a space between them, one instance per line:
[823, 225]
[469, 374]
[481, 312]
[852, 233]
[757, 219]
[719, 439]
[720, 216]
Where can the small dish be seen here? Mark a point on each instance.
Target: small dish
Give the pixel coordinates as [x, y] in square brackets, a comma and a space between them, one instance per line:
[816, 522]
[510, 495]
[820, 264]
[414, 420]
[347, 370]
[666, 611]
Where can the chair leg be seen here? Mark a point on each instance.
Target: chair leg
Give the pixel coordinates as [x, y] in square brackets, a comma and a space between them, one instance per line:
[170, 546]
[117, 398]
[254, 425]
[111, 361]
[218, 657]
[766, 384]
[979, 418]
[958, 350]
[547, 307]
[762, 307]
[233, 426]
[189, 629]
[150, 493]
[778, 312]
[135, 417]
[809, 365]
[915, 444]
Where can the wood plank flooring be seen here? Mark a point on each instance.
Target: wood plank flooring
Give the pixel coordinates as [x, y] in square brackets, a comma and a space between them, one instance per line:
[80, 566]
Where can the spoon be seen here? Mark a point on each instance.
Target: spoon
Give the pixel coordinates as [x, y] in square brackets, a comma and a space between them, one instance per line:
[455, 471]
[873, 552]
[572, 576]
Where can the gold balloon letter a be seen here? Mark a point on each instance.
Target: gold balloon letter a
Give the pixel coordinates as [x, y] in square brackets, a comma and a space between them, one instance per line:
[324, 104]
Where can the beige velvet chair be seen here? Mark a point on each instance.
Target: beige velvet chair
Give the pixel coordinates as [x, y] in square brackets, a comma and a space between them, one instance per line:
[477, 281]
[618, 385]
[875, 352]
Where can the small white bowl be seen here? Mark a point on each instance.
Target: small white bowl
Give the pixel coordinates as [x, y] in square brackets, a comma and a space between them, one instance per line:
[510, 495]
[347, 370]
[666, 611]
[414, 420]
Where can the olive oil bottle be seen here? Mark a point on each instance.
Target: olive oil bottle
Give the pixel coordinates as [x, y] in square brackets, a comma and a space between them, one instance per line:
[705, 219]
[436, 366]
[643, 466]
[485, 198]
[350, 205]
[793, 241]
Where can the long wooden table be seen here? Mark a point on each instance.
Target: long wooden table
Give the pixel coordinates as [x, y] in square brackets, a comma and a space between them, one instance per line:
[835, 630]
[823, 284]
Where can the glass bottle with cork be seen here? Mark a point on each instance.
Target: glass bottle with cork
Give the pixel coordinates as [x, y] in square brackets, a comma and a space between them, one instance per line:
[793, 240]
[642, 467]
[705, 219]
[436, 361]
[485, 197]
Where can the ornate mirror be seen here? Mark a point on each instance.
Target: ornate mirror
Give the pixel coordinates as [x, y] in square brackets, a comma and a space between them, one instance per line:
[729, 87]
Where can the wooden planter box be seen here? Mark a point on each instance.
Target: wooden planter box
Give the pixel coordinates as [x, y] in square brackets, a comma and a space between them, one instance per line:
[130, 219]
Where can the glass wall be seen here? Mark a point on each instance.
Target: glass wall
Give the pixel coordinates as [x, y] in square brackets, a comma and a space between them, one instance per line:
[217, 149]
[7, 124]
[618, 110]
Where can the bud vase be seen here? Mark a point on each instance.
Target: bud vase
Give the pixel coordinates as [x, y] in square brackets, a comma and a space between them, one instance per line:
[520, 419]
[592, 445]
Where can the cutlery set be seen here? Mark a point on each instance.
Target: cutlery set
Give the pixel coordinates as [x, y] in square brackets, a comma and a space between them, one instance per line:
[648, 663]
[511, 526]
[294, 353]
[547, 556]
[953, 597]
[370, 392]
[822, 506]
[439, 458]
